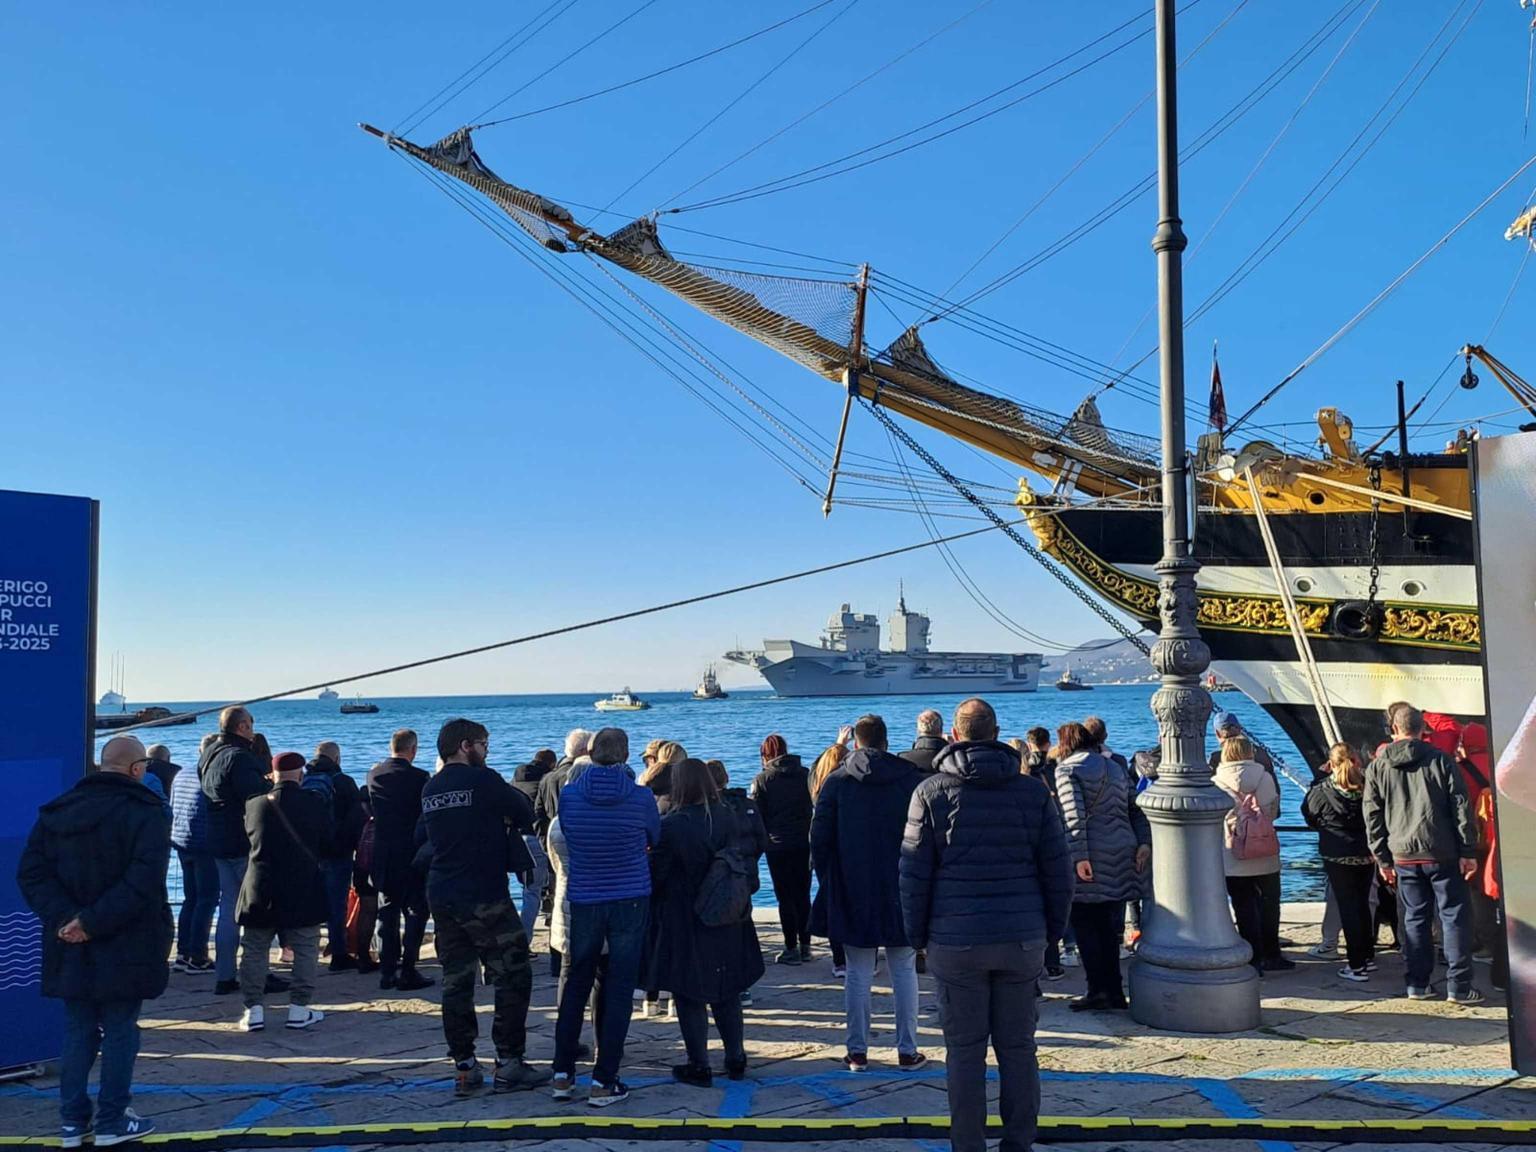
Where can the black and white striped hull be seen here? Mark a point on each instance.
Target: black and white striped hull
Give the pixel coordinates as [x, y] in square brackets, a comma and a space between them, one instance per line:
[1428, 650]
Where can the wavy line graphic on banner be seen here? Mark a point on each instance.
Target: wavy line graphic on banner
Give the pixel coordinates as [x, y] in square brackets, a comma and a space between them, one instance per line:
[21, 950]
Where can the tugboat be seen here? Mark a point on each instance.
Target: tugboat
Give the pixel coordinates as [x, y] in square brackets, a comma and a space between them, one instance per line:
[1070, 682]
[625, 701]
[328, 693]
[359, 707]
[709, 687]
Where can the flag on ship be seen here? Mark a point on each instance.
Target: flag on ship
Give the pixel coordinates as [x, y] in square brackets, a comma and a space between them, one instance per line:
[1218, 409]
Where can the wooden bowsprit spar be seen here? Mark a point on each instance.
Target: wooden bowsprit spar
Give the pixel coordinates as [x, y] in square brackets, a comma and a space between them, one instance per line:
[815, 322]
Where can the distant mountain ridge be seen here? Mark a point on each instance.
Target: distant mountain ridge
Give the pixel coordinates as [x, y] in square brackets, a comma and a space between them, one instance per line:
[1108, 661]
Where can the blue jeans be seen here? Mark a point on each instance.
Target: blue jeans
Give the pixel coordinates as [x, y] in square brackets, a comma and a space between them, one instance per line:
[533, 893]
[337, 877]
[226, 937]
[1420, 888]
[108, 1026]
[199, 901]
[856, 995]
[621, 925]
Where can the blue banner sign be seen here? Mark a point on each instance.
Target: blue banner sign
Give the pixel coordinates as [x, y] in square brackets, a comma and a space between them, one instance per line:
[47, 682]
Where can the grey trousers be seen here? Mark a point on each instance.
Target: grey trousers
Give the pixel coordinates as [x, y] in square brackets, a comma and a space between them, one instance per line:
[988, 991]
[256, 958]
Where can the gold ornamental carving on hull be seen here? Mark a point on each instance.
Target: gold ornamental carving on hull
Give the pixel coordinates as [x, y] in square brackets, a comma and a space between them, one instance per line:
[1426, 625]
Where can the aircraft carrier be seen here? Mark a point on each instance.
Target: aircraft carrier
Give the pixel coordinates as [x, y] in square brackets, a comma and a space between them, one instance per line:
[849, 661]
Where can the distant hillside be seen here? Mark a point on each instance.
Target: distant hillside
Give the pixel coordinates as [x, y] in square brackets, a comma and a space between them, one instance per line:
[1111, 661]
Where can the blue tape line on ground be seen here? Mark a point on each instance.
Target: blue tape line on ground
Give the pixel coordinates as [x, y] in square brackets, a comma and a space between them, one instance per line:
[1226, 1100]
[253, 1114]
[1417, 1100]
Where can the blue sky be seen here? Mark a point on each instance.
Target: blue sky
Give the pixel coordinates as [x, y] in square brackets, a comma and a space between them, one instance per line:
[333, 423]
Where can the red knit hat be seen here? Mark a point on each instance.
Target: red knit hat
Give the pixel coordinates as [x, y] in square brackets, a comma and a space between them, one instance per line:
[288, 762]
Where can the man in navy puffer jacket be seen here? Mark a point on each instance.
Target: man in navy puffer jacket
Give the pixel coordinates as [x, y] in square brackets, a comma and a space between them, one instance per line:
[609, 824]
[986, 883]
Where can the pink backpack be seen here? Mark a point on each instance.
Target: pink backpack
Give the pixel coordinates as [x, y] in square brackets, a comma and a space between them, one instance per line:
[1250, 831]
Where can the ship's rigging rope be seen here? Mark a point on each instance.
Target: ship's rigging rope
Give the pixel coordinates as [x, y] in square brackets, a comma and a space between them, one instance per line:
[1355, 320]
[1210, 229]
[1082, 160]
[479, 69]
[828, 102]
[550, 633]
[844, 164]
[736, 43]
[1231, 117]
[981, 506]
[569, 56]
[735, 100]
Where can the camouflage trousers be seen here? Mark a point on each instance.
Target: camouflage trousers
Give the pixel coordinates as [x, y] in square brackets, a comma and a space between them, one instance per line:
[489, 936]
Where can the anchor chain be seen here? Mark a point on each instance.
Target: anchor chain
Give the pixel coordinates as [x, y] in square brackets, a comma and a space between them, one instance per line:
[1375, 546]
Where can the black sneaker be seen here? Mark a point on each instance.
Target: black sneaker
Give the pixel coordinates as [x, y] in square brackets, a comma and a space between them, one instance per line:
[467, 1081]
[788, 956]
[1469, 997]
[856, 1062]
[606, 1095]
[196, 967]
[1056, 972]
[518, 1076]
[693, 1076]
[413, 982]
[805, 951]
[910, 1060]
[225, 987]
[388, 981]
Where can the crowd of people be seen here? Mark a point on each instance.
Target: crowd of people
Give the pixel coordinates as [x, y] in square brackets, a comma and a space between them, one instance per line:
[990, 865]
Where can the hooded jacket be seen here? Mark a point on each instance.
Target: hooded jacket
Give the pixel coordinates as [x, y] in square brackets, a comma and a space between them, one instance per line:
[230, 773]
[100, 852]
[922, 752]
[984, 859]
[1104, 825]
[1235, 777]
[1337, 817]
[288, 829]
[856, 835]
[609, 823]
[783, 794]
[1416, 806]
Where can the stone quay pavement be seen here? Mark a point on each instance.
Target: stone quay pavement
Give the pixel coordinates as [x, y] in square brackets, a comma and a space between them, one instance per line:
[1327, 1049]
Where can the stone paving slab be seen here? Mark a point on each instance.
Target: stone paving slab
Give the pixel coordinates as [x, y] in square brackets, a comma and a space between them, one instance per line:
[1326, 1049]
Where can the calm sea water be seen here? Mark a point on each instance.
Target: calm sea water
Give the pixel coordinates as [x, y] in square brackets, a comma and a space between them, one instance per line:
[729, 730]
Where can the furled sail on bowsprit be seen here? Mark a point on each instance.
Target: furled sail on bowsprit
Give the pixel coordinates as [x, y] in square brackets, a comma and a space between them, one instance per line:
[812, 321]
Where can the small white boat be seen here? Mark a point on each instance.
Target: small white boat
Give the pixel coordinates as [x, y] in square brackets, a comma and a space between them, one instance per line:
[709, 687]
[328, 693]
[625, 701]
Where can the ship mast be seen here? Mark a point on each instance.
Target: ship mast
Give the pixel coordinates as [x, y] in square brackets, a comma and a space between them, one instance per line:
[1191, 972]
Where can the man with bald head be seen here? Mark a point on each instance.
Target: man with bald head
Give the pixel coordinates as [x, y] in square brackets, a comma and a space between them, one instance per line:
[324, 775]
[230, 773]
[94, 873]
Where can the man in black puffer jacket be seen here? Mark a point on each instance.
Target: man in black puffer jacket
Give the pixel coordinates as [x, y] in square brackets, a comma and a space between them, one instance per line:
[856, 835]
[94, 872]
[986, 882]
[231, 773]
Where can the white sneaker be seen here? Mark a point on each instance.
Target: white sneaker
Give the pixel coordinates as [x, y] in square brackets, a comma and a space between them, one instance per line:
[254, 1018]
[303, 1016]
[1358, 976]
[1070, 959]
[1324, 950]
